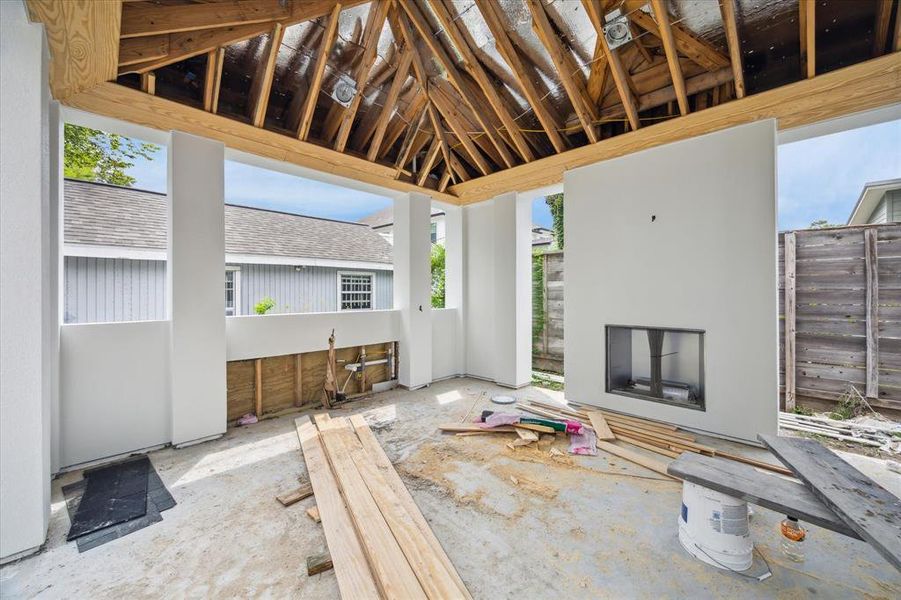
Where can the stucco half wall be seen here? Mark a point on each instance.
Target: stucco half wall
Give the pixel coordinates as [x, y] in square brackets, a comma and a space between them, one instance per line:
[680, 236]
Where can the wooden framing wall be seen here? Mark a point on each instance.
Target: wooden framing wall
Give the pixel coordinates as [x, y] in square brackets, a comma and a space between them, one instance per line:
[278, 388]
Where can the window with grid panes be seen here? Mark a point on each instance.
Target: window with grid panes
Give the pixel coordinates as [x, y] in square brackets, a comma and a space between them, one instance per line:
[355, 291]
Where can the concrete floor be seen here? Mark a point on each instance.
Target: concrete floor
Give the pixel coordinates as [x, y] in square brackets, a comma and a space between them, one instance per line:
[588, 527]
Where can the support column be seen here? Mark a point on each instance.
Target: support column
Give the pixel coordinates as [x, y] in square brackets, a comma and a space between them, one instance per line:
[196, 280]
[412, 288]
[26, 289]
[454, 278]
[512, 290]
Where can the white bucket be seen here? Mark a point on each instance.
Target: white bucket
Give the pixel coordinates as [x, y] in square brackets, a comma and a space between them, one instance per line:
[713, 527]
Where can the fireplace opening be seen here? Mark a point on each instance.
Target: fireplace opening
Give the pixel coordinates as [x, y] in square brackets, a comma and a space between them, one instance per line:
[656, 364]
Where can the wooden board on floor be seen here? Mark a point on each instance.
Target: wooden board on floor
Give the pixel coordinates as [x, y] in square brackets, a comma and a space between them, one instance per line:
[865, 506]
[749, 484]
[304, 491]
[647, 462]
[319, 563]
[351, 568]
[599, 424]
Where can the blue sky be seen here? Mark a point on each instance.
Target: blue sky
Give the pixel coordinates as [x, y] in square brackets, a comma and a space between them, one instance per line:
[819, 178]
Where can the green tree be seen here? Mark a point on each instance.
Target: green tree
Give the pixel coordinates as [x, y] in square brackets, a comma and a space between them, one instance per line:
[94, 155]
[822, 224]
[555, 203]
[264, 306]
[438, 278]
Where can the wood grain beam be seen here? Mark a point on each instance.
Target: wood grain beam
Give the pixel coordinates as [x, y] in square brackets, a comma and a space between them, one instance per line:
[133, 51]
[617, 71]
[597, 78]
[262, 80]
[210, 80]
[325, 48]
[661, 15]
[403, 156]
[880, 29]
[455, 121]
[575, 88]
[549, 124]
[134, 106]
[147, 18]
[730, 24]
[475, 69]
[83, 38]
[896, 36]
[403, 70]
[428, 162]
[807, 22]
[858, 88]
[411, 115]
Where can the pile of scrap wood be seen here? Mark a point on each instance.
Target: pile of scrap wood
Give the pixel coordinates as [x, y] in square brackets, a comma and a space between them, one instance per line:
[616, 433]
[379, 543]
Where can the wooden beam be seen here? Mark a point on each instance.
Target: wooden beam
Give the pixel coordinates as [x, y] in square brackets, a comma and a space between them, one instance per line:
[455, 121]
[880, 29]
[403, 70]
[262, 80]
[147, 18]
[210, 80]
[428, 162]
[730, 24]
[896, 36]
[707, 80]
[298, 380]
[620, 76]
[807, 21]
[597, 78]
[403, 121]
[672, 55]
[472, 66]
[137, 50]
[407, 145]
[789, 323]
[864, 86]
[375, 20]
[148, 83]
[572, 82]
[83, 38]
[217, 82]
[531, 93]
[871, 260]
[133, 106]
[421, 24]
[258, 387]
[325, 48]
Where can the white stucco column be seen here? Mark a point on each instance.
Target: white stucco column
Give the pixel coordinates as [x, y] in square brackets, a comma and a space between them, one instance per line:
[412, 288]
[196, 280]
[454, 288]
[26, 323]
[512, 290]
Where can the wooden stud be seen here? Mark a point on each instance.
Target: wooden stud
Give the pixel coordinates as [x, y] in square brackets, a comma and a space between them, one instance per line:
[789, 324]
[672, 55]
[258, 387]
[262, 81]
[880, 29]
[403, 70]
[807, 22]
[871, 259]
[325, 48]
[210, 80]
[428, 162]
[472, 65]
[217, 85]
[148, 83]
[730, 24]
[298, 380]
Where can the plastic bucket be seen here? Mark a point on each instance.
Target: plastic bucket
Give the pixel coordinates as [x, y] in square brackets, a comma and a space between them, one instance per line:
[713, 527]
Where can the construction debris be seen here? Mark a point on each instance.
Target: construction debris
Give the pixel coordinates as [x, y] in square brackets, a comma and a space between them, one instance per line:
[864, 430]
[319, 563]
[304, 491]
[313, 513]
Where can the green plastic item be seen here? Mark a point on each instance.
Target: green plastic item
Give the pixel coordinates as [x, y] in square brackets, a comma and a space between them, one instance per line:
[556, 425]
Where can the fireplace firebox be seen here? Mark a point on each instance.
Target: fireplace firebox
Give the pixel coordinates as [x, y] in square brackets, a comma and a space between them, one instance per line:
[658, 364]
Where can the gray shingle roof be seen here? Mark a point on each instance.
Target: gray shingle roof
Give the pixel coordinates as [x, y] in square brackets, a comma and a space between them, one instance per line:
[107, 215]
[386, 217]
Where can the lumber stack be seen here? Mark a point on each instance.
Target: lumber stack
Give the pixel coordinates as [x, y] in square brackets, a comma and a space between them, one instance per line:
[380, 544]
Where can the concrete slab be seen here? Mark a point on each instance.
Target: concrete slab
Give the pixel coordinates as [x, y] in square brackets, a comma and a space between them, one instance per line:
[594, 527]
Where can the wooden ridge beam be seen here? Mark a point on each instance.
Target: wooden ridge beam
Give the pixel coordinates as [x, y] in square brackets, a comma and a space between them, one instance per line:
[262, 80]
[619, 74]
[530, 91]
[572, 82]
[119, 102]
[807, 21]
[730, 24]
[403, 69]
[472, 66]
[672, 55]
[146, 18]
[325, 48]
[421, 24]
[864, 86]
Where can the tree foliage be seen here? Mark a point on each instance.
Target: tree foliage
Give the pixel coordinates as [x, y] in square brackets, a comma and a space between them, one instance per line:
[438, 278]
[94, 155]
[822, 224]
[555, 203]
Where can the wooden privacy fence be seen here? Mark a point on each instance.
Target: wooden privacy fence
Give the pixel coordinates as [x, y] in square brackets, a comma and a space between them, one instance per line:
[840, 313]
[547, 315]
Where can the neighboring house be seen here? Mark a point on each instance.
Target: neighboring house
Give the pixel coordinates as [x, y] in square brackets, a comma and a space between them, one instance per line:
[115, 259]
[542, 238]
[879, 202]
[383, 223]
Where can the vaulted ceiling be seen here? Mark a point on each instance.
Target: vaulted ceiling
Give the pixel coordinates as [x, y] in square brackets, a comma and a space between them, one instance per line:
[437, 93]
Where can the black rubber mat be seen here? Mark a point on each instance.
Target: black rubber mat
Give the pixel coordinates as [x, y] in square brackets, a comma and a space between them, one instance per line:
[112, 495]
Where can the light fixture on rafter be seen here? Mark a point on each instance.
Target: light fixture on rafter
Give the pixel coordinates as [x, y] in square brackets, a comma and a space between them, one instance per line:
[616, 29]
[345, 90]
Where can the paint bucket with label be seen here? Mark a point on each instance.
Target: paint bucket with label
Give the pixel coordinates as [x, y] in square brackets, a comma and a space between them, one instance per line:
[713, 527]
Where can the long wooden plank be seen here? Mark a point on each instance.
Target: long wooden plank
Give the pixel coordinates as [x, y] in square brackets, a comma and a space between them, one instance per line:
[600, 426]
[262, 81]
[790, 321]
[351, 569]
[639, 459]
[403, 70]
[807, 23]
[864, 505]
[661, 14]
[390, 568]
[730, 24]
[137, 50]
[649, 446]
[147, 18]
[372, 446]
[749, 484]
[871, 260]
[325, 47]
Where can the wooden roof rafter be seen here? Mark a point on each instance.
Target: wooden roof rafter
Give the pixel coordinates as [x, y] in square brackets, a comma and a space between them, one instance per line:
[730, 25]
[661, 16]
[325, 47]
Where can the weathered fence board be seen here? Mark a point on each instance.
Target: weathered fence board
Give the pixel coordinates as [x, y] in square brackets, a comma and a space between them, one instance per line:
[547, 347]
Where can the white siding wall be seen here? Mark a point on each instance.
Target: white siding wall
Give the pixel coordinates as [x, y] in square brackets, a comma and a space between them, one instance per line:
[99, 290]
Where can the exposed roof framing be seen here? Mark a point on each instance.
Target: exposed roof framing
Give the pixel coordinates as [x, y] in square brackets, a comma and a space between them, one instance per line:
[465, 99]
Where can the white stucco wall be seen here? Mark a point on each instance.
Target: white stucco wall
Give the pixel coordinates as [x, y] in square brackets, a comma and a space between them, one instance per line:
[707, 261]
[445, 361]
[26, 319]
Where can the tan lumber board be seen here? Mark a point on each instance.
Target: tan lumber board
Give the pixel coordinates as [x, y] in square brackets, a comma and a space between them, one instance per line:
[313, 513]
[460, 428]
[372, 446]
[647, 446]
[304, 491]
[534, 427]
[351, 568]
[526, 435]
[599, 424]
[319, 563]
[148, 18]
[755, 463]
[673, 446]
[639, 459]
[845, 91]
[390, 568]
